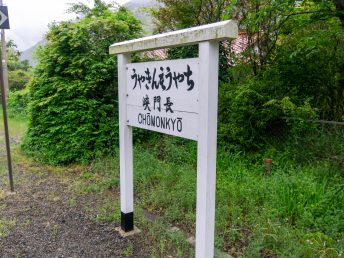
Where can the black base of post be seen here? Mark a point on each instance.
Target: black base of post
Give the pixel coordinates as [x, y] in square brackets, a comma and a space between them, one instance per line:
[127, 221]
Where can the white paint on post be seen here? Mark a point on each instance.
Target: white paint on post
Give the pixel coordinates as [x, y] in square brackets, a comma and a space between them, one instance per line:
[206, 149]
[125, 139]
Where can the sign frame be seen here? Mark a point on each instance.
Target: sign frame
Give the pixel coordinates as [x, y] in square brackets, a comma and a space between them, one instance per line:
[208, 37]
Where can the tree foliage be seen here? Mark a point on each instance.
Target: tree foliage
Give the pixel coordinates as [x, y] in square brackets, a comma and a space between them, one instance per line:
[294, 58]
[18, 71]
[266, 22]
[73, 94]
[179, 14]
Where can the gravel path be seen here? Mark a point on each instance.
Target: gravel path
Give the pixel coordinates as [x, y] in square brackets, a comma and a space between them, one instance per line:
[47, 225]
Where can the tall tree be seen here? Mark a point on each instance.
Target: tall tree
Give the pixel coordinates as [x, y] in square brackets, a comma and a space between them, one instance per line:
[263, 22]
[179, 14]
[293, 54]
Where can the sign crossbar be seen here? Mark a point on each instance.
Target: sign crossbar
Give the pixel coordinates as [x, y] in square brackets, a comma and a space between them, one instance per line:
[216, 31]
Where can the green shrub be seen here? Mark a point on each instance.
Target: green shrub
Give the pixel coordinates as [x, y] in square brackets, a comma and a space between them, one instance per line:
[249, 113]
[310, 65]
[302, 81]
[18, 102]
[18, 79]
[73, 109]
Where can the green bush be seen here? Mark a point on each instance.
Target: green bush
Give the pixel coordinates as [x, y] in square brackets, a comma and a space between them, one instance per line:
[249, 114]
[73, 109]
[302, 81]
[18, 70]
[310, 64]
[18, 102]
[18, 79]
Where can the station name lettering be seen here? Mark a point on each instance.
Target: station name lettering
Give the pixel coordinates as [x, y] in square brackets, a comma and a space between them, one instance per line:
[164, 79]
[173, 124]
[146, 103]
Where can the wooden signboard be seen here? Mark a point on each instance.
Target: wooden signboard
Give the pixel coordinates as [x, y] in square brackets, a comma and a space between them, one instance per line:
[175, 97]
[163, 97]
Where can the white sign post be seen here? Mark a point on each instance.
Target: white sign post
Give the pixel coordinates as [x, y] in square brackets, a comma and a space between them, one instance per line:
[175, 97]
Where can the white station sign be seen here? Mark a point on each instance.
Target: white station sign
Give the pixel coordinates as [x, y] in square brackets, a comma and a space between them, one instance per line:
[163, 96]
[175, 97]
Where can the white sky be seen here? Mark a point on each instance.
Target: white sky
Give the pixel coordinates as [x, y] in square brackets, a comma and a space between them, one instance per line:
[29, 19]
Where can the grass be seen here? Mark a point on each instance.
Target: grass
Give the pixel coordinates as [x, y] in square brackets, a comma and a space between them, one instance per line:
[129, 251]
[17, 128]
[5, 227]
[17, 125]
[296, 211]
[280, 214]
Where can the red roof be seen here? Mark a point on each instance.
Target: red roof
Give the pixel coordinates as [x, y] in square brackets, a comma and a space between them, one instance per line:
[240, 44]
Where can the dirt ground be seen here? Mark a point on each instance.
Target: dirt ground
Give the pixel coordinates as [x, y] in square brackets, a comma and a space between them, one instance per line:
[46, 222]
[46, 225]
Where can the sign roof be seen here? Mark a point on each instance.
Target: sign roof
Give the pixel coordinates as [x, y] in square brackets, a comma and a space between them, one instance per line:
[215, 31]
